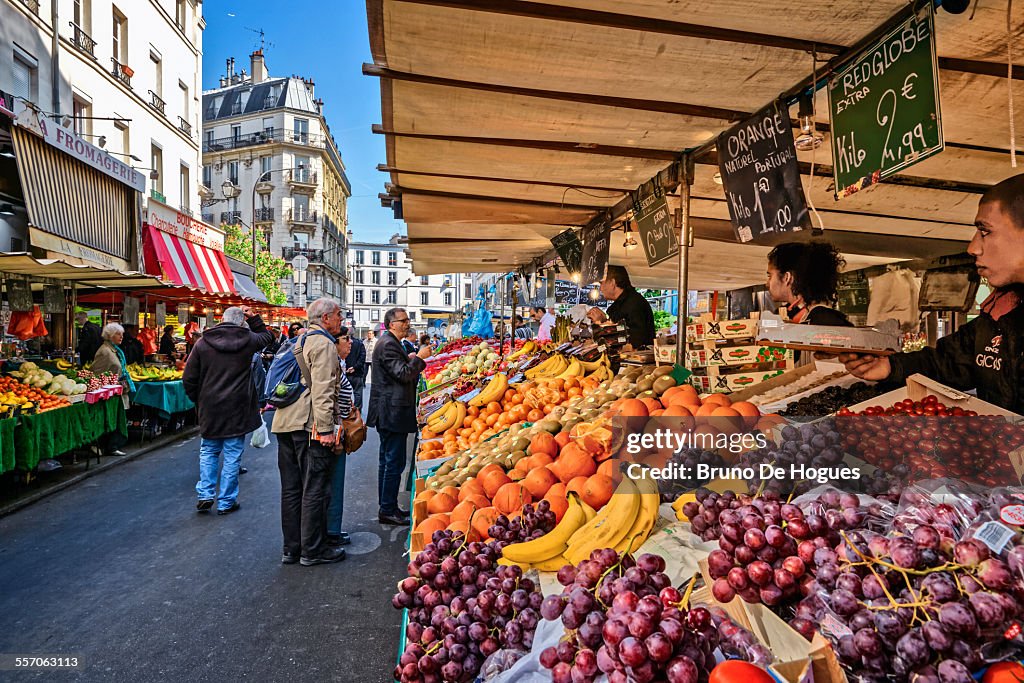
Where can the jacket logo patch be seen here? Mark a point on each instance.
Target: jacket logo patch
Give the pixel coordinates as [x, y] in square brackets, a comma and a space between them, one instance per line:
[993, 362]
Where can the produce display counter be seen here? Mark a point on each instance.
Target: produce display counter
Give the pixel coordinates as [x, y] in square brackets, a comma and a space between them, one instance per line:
[27, 439]
[165, 397]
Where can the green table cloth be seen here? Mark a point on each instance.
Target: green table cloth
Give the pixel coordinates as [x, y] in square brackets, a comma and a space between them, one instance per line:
[167, 397]
[7, 444]
[55, 432]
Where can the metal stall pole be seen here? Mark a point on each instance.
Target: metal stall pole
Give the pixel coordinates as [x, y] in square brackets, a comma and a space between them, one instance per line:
[685, 242]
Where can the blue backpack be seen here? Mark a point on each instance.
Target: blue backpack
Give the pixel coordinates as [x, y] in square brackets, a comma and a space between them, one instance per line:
[284, 378]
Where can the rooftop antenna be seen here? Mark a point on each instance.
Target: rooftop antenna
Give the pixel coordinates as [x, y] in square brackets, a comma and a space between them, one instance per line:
[263, 44]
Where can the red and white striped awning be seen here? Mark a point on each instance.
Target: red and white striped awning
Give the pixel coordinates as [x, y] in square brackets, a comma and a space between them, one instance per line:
[187, 264]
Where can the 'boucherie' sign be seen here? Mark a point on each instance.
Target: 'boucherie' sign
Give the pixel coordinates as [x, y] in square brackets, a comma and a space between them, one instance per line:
[168, 219]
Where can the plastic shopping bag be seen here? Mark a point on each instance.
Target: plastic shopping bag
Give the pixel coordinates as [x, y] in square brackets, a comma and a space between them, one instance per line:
[261, 437]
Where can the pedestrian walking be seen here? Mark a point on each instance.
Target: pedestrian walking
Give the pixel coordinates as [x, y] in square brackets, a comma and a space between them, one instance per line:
[90, 338]
[306, 434]
[392, 409]
[218, 379]
[346, 404]
[371, 343]
[356, 367]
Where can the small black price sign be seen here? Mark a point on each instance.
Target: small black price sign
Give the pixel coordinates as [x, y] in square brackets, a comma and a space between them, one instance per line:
[569, 247]
[596, 244]
[655, 225]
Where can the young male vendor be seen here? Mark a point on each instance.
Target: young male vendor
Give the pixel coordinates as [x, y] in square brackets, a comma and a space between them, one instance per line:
[986, 354]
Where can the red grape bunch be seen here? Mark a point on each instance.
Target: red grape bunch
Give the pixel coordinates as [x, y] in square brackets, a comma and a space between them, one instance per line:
[463, 607]
[913, 607]
[533, 523]
[624, 618]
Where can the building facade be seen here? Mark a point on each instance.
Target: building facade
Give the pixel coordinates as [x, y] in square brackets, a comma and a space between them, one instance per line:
[382, 277]
[119, 82]
[266, 140]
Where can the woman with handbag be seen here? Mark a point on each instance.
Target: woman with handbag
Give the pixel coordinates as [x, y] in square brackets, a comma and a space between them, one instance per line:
[344, 417]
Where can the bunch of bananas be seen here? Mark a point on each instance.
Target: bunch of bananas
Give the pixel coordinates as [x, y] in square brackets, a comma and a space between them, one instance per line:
[546, 553]
[494, 391]
[678, 504]
[448, 416]
[624, 523]
[527, 348]
[63, 365]
[141, 373]
[558, 366]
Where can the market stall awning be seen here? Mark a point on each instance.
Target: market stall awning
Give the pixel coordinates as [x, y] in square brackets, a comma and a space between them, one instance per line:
[186, 263]
[507, 121]
[83, 275]
[247, 288]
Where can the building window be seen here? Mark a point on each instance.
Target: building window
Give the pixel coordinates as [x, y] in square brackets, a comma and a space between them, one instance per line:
[236, 134]
[469, 290]
[424, 280]
[412, 315]
[265, 165]
[185, 101]
[301, 131]
[424, 298]
[207, 176]
[392, 258]
[180, 16]
[392, 278]
[26, 76]
[156, 159]
[158, 75]
[359, 277]
[185, 187]
[376, 258]
[375, 296]
[360, 258]
[119, 42]
[359, 296]
[209, 139]
[447, 298]
[375, 315]
[83, 15]
[233, 172]
[300, 207]
[81, 113]
[375, 277]
[392, 297]
[268, 126]
[126, 140]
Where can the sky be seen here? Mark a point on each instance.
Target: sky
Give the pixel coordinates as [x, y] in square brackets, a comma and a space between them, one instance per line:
[327, 42]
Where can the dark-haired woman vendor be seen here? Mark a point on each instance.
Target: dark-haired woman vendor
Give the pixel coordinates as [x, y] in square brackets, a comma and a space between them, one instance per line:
[804, 276]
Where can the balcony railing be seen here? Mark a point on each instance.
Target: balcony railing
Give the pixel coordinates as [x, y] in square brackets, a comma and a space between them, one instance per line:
[314, 255]
[262, 138]
[209, 218]
[185, 126]
[185, 210]
[33, 6]
[122, 72]
[304, 217]
[304, 177]
[157, 103]
[230, 217]
[265, 214]
[83, 41]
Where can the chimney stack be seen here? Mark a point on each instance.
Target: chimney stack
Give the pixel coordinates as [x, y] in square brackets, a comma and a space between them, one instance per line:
[259, 66]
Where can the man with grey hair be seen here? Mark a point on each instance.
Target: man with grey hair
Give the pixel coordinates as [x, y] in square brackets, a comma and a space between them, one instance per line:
[218, 379]
[392, 409]
[306, 434]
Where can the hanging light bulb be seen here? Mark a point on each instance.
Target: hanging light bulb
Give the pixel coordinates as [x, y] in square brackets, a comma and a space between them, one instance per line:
[809, 138]
[217, 310]
[630, 243]
[594, 295]
[576, 278]
[205, 309]
[192, 309]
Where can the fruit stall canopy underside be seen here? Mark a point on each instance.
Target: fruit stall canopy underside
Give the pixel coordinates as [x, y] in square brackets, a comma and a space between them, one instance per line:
[508, 121]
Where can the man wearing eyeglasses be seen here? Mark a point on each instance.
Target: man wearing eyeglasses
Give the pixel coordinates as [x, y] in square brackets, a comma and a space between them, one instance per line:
[392, 409]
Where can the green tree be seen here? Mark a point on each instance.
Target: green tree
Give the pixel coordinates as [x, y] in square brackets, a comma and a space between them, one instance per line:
[269, 268]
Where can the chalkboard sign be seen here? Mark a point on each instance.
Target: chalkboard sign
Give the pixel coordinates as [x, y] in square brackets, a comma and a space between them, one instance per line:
[596, 242]
[761, 177]
[569, 247]
[19, 294]
[885, 107]
[585, 296]
[566, 293]
[54, 300]
[655, 225]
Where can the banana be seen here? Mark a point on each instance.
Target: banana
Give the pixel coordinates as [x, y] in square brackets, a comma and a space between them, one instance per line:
[574, 369]
[609, 527]
[591, 366]
[591, 512]
[461, 410]
[540, 368]
[446, 420]
[553, 543]
[552, 564]
[440, 413]
[494, 390]
[650, 500]
[560, 366]
[529, 347]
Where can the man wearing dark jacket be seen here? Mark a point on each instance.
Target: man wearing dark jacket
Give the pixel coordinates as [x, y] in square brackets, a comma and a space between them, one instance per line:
[218, 379]
[89, 338]
[131, 347]
[356, 368]
[392, 409]
[629, 307]
[986, 353]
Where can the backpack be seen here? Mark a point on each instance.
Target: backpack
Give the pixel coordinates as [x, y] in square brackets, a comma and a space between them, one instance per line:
[259, 375]
[284, 378]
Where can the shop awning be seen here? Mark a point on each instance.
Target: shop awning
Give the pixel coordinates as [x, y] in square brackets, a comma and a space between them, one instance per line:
[187, 264]
[85, 276]
[248, 289]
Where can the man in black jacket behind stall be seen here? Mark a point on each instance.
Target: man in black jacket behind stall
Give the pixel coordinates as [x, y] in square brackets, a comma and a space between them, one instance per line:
[392, 409]
[89, 338]
[629, 307]
[987, 353]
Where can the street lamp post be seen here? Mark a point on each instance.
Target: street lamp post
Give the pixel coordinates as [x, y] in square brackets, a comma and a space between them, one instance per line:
[232, 191]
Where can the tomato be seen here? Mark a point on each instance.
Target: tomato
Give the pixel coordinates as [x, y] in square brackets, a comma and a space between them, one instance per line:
[1004, 672]
[736, 671]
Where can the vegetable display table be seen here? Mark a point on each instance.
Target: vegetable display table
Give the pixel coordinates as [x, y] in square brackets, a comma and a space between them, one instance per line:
[166, 397]
[49, 434]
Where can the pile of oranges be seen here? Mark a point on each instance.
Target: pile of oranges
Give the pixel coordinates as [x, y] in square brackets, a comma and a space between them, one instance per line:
[715, 412]
[14, 393]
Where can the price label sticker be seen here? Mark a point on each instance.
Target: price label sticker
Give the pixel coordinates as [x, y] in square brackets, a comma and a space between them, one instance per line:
[1012, 514]
[994, 535]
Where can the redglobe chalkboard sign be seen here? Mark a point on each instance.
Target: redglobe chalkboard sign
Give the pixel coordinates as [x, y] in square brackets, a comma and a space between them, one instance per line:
[596, 243]
[884, 106]
[654, 223]
[570, 249]
[760, 175]
[566, 293]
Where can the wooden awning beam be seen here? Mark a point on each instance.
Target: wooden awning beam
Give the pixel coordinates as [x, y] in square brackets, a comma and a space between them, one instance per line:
[518, 181]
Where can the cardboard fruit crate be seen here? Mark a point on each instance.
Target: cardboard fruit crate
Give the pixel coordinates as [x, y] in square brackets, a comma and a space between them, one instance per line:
[882, 339]
[713, 330]
[736, 355]
[918, 386]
